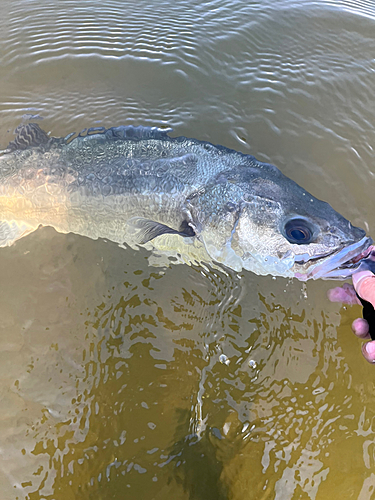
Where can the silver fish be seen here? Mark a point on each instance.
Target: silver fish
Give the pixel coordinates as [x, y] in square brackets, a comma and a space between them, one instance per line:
[137, 185]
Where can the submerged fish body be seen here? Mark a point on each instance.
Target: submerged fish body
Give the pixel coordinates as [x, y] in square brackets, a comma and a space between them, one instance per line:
[137, 185]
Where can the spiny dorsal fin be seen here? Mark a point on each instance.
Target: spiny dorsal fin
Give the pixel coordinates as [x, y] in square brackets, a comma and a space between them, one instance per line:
[28, 135]
[136, 133]
[123, 132]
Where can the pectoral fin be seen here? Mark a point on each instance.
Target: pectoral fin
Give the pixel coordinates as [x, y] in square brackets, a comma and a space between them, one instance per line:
[143, 230]
[10, 231]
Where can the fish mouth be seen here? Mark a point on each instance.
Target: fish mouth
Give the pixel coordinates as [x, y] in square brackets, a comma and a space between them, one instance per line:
[343, 263]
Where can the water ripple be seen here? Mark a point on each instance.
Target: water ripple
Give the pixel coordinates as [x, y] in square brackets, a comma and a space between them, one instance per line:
[88, 30]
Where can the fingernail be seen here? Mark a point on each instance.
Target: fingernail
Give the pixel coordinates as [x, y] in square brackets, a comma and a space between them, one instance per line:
[370, 348]
[357, 277]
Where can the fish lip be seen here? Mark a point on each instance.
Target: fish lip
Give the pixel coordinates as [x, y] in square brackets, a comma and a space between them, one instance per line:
[343, 263]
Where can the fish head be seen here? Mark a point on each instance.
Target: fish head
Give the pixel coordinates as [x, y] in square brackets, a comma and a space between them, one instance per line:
[260, 220]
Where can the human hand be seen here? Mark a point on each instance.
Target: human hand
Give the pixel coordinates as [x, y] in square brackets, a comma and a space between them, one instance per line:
[364, 285]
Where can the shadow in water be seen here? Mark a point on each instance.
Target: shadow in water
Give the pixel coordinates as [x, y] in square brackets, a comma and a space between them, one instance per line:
[196, 465]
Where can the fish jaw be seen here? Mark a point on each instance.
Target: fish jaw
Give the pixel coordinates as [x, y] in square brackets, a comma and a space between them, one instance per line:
[340, 265]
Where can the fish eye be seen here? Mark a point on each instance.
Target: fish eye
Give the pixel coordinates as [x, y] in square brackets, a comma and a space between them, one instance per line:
[298, 231]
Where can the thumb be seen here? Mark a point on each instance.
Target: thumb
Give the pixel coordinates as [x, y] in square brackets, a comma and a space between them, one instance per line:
[364, 284]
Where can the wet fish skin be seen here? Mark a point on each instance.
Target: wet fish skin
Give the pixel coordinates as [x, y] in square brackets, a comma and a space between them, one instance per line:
[136, 184]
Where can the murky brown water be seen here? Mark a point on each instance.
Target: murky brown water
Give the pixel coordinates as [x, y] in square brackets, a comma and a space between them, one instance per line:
[119, 380]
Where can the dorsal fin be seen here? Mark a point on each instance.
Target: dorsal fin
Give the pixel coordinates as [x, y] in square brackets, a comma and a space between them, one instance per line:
[134, 133]
[123, 132]
[28, 135]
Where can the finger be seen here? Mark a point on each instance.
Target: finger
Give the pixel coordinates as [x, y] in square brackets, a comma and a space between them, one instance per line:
[364, 283]
[345, 294]
[360, 328]
[368, 351]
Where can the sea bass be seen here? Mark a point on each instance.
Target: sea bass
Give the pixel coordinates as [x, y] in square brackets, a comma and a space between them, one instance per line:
[139, 186]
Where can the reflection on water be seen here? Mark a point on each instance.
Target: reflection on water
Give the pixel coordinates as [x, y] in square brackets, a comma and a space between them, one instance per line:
[122, 390]
[123, 380]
